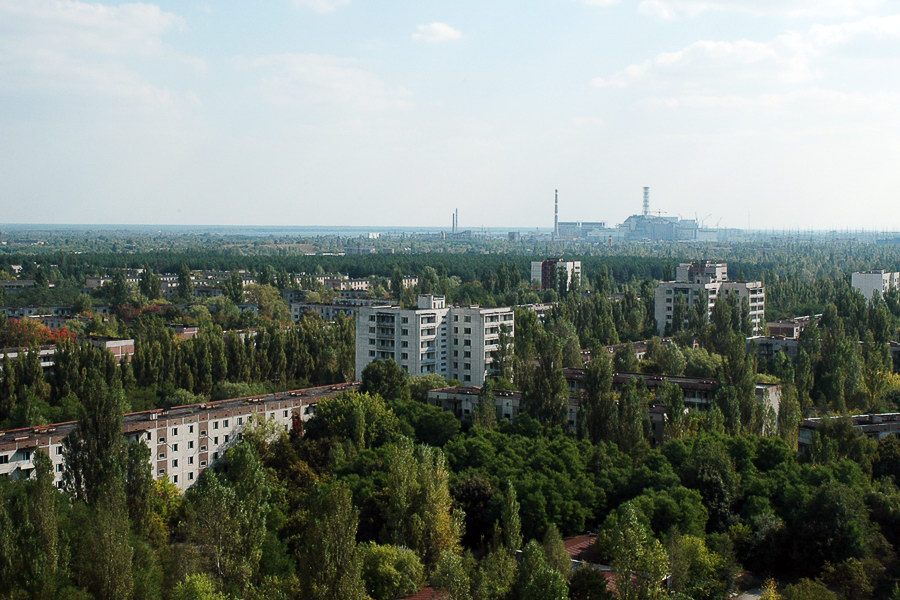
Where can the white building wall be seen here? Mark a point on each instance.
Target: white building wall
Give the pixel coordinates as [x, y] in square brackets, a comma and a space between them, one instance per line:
[455, 342]
[870, 282]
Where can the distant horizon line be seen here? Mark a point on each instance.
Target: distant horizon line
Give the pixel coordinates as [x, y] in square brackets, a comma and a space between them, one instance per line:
[337, 229]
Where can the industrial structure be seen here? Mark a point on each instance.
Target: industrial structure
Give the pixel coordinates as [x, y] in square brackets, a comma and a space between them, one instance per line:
[645, 227]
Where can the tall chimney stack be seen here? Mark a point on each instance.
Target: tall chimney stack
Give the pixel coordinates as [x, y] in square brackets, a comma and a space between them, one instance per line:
[555, 214]
[646, 201]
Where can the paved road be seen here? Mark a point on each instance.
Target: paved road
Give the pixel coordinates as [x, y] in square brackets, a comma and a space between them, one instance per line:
[754, 594]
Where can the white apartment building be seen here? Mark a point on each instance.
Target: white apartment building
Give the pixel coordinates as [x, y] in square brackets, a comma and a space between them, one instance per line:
[869, 282]
[692, 279]
[183, 440]
[542, 271]
[455, 342]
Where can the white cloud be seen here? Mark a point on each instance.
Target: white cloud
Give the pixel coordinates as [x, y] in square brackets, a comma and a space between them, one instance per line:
[63, 46]
[287, 79]
[322, 6]
[673, 9]
[436, 33]
[793, 58]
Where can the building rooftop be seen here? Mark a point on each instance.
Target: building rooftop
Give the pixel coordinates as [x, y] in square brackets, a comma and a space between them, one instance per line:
[137, 421]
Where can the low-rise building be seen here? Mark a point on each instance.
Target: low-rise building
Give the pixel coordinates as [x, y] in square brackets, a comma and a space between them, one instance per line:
[699, 394]
[875, 426]
[345, 307]
[16, 284]
[121, 348]
[792, 327]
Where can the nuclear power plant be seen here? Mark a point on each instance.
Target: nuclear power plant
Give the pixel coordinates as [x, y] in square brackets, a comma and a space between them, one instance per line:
[636, 228]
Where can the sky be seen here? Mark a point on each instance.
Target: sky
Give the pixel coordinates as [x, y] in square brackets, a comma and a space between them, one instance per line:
[765, 114]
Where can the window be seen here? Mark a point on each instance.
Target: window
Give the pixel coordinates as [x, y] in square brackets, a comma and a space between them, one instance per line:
[404, 356]
[467, 330]
[285, 414]
[190, 460]
[226, 423]
[467, 319]
[190, 445]
[467, 366]
[202, 463]
[161, 456]
[215, 424]
[190, 429]
[203, 433]
[215, 455]
[371, 353]
[174, 431]
[191, 476]
[404, 332]
[240, 420]
[162, 471]
[216, 440]
[174, 462]
[226, 439]
[161, 440]
[149, 435]
[174, 478]
[202, 448]
[59, 467]
[467, 354]
[59, 449]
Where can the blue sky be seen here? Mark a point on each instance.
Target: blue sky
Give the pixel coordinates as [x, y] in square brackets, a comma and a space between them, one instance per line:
[767, 113]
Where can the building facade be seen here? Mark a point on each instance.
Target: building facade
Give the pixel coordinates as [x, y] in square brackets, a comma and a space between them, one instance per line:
[183, 440]
[692, 280]
[455, 342]
[868, 283]
[542, 272]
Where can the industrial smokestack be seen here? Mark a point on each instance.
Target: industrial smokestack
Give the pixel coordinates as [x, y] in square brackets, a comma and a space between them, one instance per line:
[555, 214]
[646, 201]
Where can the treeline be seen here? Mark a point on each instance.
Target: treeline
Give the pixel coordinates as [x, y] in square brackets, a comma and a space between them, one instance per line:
[383, 494]
[166, 370]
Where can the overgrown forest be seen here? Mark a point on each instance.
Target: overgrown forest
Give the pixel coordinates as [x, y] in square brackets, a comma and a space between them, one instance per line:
[383, 494]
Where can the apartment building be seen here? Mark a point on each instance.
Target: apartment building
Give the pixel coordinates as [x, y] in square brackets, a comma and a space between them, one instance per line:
[542, 271]
[699, 394]
[183, 440]
[872, 282]
[345, 307]
[693, 279]
[455, 342]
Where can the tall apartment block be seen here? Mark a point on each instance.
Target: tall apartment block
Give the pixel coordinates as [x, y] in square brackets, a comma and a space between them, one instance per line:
[456, 342]
[542, 271]
[869, 282]
[692, 279]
